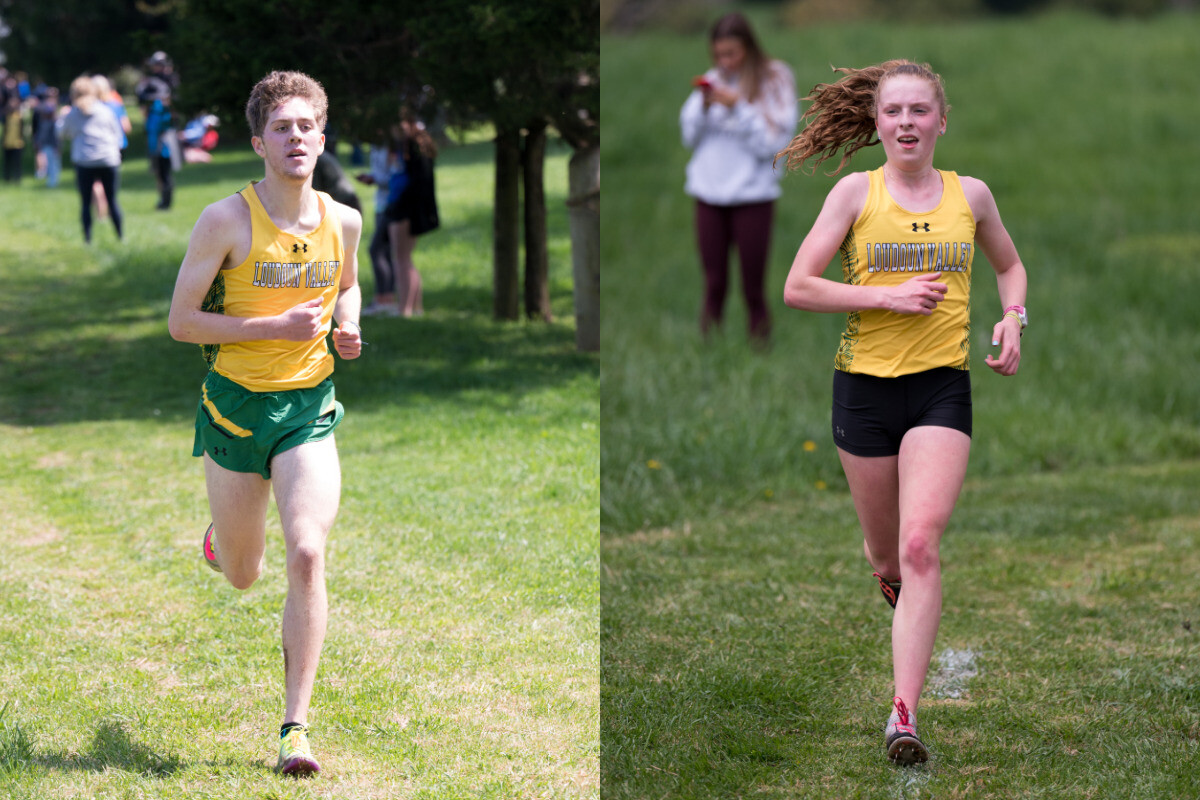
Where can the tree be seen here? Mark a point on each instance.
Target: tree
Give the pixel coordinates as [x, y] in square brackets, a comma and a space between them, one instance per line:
[57, 41]
[509, 60]
[515, 63]
[582, 130]
[359, 51]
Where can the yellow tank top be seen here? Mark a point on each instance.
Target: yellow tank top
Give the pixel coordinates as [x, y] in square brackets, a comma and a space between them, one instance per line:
[888, 245]
[282, 271]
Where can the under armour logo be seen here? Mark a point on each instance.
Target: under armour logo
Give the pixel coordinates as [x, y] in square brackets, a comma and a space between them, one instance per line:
[220, 451]
[915, 227]
[296, 247]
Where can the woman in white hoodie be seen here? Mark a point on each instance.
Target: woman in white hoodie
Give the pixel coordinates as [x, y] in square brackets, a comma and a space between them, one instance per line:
[742, 112]
[96, 137]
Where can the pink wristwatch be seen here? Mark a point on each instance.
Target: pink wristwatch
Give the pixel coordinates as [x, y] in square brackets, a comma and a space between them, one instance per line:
[1022, 317]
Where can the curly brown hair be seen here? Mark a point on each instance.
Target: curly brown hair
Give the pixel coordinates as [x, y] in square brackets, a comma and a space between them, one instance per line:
[278, 87]
[842, 114]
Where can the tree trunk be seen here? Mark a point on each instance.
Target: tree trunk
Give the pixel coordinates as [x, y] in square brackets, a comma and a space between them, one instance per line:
[506, 226]
[537, 254]
[583, 203]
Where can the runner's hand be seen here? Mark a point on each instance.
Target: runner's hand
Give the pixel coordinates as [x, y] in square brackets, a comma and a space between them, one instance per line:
[918, 295]
[347, 339]
[302, 323]
[1007, 336]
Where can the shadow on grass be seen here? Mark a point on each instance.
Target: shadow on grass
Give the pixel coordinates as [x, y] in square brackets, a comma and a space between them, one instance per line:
[112, 748]
[94, 346]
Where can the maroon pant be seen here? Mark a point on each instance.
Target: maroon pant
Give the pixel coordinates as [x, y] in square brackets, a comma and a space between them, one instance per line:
[749, 227]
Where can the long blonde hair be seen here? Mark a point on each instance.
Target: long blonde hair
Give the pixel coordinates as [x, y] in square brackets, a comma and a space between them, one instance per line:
[842, 114]
[84, 94]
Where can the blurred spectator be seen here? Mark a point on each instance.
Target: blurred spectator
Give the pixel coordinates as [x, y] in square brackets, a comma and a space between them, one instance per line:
[199, 137]
[45, 136]
[160, 78]
[740, 113]
[23, 90]
[116, 103]
[14, 137]
[411, 212]
[162, 140]
[95, 149]
[112, 98]
[330, 177]
[383, 161]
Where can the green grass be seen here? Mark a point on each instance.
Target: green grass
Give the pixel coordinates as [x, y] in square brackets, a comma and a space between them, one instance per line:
[462, 655]
[745, 648]
[750, 656]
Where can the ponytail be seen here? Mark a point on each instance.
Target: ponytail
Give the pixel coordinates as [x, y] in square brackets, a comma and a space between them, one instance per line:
[842, 114]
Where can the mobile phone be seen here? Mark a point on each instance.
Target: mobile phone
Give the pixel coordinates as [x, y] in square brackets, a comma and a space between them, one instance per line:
[701, 82]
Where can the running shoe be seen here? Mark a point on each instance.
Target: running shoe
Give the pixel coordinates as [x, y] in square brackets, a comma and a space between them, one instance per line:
[295, 756]
[900, 737]
[210, 549]
[890, 589]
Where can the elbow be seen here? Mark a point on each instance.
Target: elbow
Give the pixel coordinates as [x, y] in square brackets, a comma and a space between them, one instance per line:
[793, 298]
[178, 329]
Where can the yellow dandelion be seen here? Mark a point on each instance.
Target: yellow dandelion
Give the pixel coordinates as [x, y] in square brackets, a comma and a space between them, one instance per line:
[810, 446]
[652, 464]
[767, 493]
[821, 485]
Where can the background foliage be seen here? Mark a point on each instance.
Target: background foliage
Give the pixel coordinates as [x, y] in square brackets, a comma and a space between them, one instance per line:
[682, 15]
[500, 60]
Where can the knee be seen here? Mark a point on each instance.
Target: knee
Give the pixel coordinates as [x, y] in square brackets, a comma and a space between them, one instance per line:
[306, 563]
[243, 576]
[919, 552]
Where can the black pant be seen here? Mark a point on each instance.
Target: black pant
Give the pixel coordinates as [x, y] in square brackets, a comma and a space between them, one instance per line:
[381, 257]
[166, 179]
[110, 179]
[12, 165]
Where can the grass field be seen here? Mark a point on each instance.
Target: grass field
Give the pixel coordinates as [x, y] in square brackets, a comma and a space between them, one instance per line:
[744, 645]
[462, 655]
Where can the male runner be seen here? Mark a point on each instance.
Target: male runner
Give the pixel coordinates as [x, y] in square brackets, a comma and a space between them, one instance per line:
[266, 271]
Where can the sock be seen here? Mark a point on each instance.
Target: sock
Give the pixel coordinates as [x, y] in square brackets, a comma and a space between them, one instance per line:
[287, 726]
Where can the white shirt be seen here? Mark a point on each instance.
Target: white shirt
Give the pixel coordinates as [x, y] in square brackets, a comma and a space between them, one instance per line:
[95, 138]
[733, 148]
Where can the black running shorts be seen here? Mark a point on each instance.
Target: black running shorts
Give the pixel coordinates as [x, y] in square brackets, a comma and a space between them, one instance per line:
[871, 415]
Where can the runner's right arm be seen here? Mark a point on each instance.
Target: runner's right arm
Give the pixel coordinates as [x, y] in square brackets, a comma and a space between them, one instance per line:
[221, 234]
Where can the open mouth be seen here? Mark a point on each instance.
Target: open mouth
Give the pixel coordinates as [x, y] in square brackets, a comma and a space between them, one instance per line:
[908, 140]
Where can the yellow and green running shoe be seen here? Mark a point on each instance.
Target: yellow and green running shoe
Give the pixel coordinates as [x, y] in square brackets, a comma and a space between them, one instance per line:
[295, 756]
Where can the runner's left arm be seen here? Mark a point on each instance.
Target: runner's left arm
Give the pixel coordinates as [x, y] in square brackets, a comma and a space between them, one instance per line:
[1011, 281]
[347, 339]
